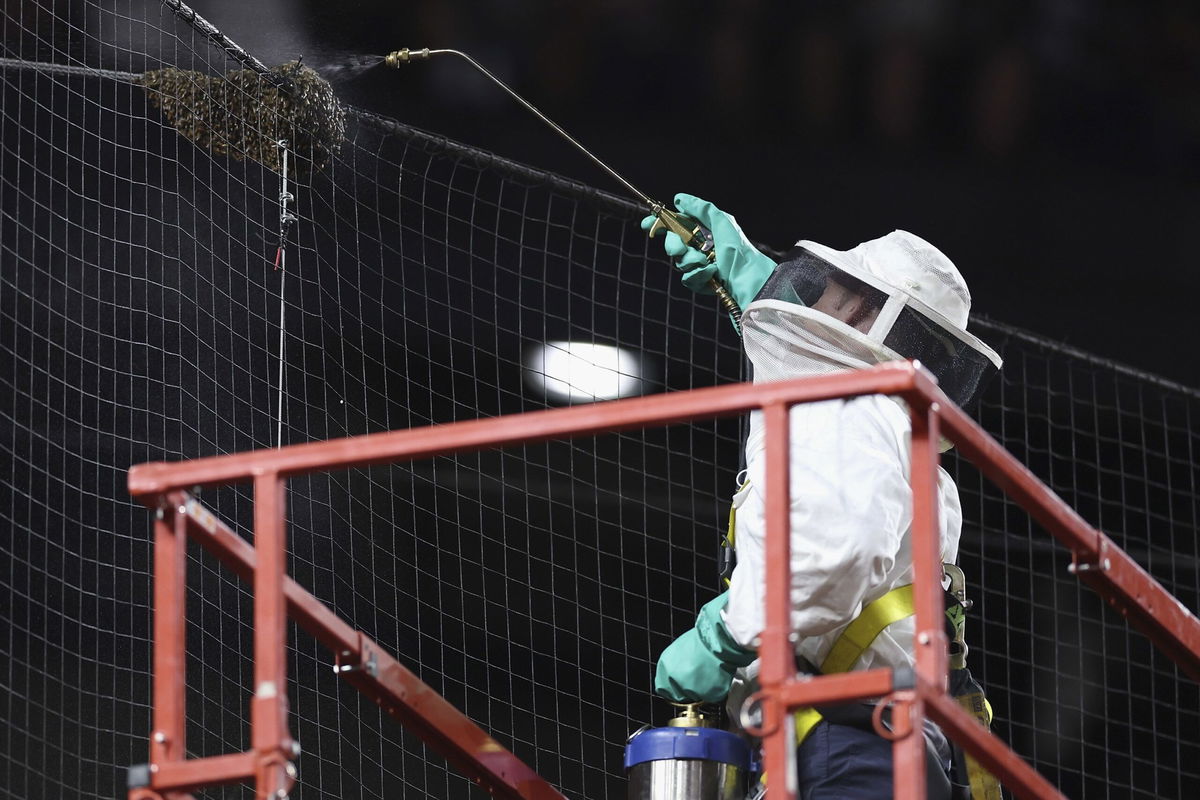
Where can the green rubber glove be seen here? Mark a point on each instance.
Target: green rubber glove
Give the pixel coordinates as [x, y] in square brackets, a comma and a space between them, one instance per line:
[739, 264]
[699, 665]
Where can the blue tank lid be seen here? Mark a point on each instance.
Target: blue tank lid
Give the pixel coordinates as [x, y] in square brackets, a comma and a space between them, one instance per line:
[658, 744]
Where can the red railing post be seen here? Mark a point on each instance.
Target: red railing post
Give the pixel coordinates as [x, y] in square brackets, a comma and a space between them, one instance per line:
[269, 736]
[170, 628]
[908, 762]
[778, 660]
[931, 644]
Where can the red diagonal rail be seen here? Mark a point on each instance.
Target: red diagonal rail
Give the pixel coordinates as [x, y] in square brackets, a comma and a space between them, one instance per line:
[1097, 560]
[363, 663]
[376, 674]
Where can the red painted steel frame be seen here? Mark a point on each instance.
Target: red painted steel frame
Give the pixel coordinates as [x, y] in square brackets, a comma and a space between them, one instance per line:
[359, 659]
[1097, 560]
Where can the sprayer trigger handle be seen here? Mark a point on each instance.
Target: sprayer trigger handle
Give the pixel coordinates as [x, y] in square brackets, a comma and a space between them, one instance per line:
[689, 230]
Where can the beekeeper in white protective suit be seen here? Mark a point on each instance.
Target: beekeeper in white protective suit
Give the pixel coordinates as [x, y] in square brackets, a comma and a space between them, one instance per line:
[818, 311]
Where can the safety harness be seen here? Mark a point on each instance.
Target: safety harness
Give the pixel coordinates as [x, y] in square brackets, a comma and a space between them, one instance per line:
[853, 642]
[856, 637]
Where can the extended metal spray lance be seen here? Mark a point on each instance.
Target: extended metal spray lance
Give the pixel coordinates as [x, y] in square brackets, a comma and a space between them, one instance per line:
[668, 219]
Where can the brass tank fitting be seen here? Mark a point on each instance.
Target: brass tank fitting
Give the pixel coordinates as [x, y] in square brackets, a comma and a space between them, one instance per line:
[690, 716]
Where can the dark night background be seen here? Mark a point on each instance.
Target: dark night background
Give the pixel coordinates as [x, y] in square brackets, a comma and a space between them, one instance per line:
[1051, 149]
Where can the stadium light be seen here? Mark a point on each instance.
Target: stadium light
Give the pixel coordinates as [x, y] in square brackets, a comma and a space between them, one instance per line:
[583, 372]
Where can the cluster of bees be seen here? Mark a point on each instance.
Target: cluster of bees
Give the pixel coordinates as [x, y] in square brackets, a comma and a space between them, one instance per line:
[244, 114]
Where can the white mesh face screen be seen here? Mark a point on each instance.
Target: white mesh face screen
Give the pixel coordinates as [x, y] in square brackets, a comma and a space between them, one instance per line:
[775, 360]
[782, 342]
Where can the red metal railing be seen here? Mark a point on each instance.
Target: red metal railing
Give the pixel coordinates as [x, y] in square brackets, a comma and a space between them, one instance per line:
[1096, 559]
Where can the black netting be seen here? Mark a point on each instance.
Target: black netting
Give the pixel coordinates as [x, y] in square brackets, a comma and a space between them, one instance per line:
[1095, 707]
[534, 587]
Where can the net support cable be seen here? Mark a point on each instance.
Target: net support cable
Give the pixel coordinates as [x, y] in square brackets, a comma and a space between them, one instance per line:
[190, 17]
[71, 70]
[286, 220]
[912, 696]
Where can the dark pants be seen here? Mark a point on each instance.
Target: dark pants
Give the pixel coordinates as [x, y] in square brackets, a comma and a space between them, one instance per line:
[846, 762]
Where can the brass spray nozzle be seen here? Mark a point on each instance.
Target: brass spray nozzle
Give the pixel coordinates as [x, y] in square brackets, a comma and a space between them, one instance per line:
[404, 56]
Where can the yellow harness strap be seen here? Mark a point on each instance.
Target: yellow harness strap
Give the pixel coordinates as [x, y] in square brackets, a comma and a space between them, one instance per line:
[727, 544]
[853, 642]
[984, 785]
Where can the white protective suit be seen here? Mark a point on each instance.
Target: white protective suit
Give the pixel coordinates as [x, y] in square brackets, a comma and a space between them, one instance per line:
[851, 502]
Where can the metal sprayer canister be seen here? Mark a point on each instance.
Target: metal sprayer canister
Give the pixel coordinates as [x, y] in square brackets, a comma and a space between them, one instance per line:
[687, 760]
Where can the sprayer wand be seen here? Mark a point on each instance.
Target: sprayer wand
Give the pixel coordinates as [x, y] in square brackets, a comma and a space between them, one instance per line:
[694, 234]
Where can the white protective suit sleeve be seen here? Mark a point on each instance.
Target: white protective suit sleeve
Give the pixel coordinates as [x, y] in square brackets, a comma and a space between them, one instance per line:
[850, 520]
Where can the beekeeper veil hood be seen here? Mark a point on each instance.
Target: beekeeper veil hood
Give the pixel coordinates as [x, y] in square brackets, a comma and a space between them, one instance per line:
[890, 298]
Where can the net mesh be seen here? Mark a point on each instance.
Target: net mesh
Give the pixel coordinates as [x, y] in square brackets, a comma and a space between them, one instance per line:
[140, 318]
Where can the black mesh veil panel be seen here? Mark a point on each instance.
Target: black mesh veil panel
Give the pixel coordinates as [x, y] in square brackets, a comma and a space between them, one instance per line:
[961, 370]
[801, 277]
